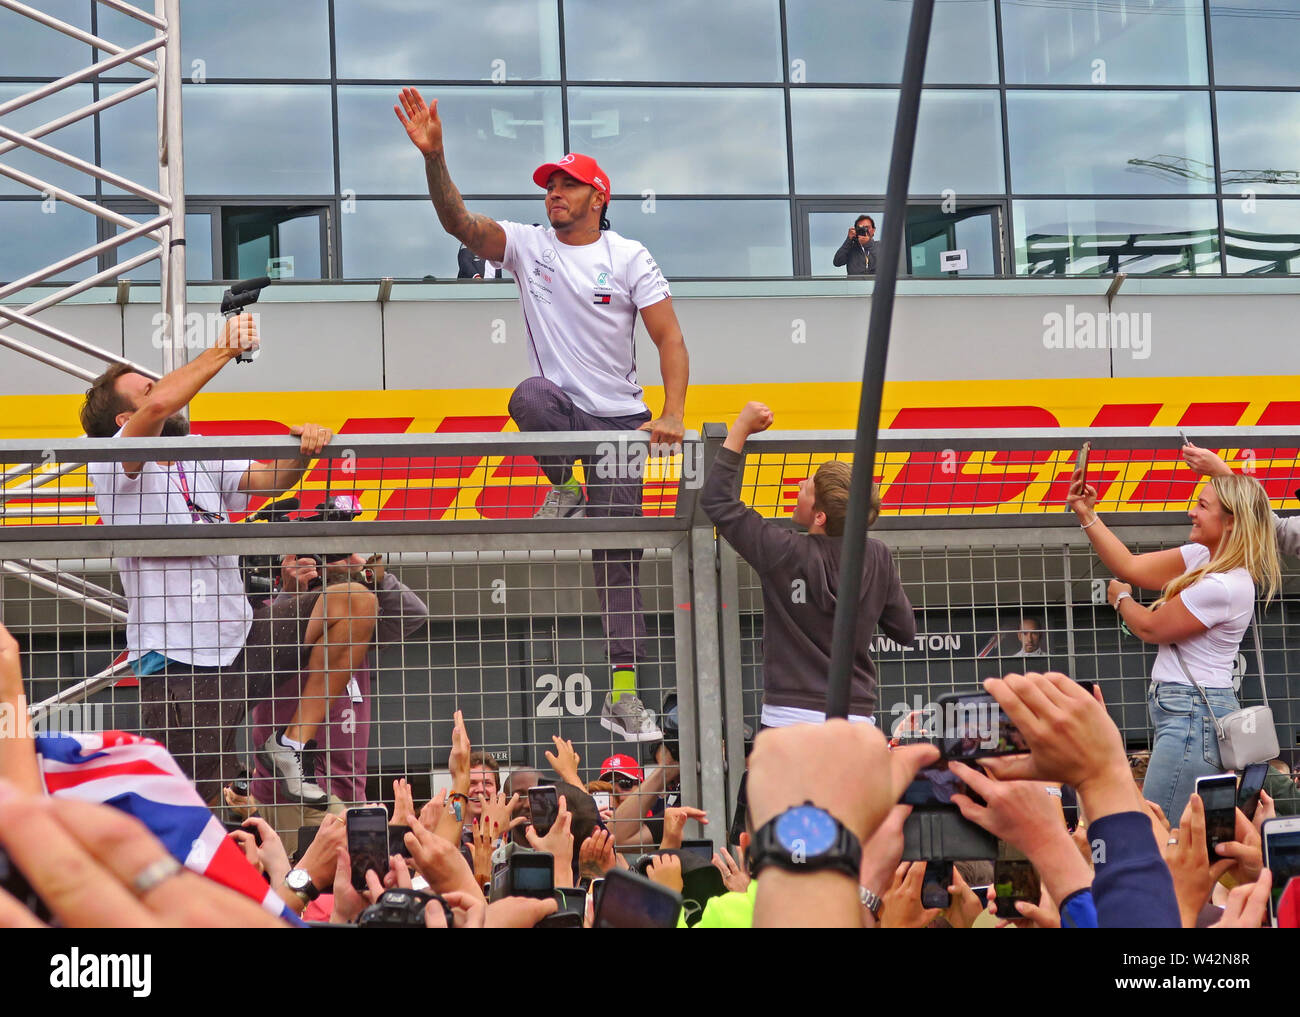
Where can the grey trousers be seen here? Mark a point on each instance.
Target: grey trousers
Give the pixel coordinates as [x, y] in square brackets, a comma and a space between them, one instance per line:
[613, 489]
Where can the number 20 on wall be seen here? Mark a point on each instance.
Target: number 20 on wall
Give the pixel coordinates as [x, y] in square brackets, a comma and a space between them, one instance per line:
[577, 695]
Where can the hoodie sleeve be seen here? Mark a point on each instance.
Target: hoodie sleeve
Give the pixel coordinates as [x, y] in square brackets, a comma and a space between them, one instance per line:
[760, 542]
[401, 612]
[898, 619]
[1132, 887]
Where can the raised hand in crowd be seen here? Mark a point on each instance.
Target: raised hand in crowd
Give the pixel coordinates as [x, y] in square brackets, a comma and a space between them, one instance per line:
[348, 901]
[666, 870]
[596, 855]
[675, 820]
[735, 877]
[901, 906]
[482, 841]
[403, 803]
[440, 862]
[269, 857]
[322, 853]
[95, 867]
[565, 761]
[18, 763]
[1189, 863]
[881, 855]
[1247, 906]
[558, 842]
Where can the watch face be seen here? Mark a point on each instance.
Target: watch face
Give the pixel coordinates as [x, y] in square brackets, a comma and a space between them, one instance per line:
[298, 879]
[806, 831]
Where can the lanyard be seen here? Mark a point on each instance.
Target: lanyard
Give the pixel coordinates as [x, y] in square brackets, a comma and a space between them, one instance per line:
[197, 515]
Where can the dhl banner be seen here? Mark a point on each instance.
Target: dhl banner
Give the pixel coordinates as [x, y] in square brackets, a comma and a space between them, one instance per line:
[911, 483]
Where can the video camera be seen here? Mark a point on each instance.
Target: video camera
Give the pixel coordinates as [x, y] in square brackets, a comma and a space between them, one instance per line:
[239, 296]
[262, 571]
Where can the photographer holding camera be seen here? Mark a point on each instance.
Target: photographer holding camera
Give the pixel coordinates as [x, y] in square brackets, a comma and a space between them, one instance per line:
[858, 252]
[187, 617]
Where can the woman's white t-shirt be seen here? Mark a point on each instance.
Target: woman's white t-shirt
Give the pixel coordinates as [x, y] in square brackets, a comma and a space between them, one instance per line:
[1221, 601]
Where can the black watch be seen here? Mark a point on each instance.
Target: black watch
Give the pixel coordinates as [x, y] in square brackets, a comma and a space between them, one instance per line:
[299, 881]
[805, 838]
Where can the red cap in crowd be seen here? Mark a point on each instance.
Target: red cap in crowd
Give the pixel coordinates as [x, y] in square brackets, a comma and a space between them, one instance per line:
[624, 765]
[580, 167]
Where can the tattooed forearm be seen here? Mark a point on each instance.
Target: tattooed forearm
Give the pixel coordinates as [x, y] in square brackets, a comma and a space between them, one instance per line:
[480, 233]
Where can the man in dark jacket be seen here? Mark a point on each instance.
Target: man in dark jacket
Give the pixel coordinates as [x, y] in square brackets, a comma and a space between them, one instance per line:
[800, 575]
[858, 252]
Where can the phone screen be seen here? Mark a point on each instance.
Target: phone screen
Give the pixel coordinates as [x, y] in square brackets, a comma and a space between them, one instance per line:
[934, 786]
[532, 875]
[934, 888]
[633, 902]
[702, 848]
[367, 843]
[1252, 782]
[1282, 857]
[544, 804]
[1219, 795]
[973, 725]
[1014, 879]
[572, 898]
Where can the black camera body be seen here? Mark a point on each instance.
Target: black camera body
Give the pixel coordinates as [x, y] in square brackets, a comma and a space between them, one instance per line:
[401, 909]
[860, 230]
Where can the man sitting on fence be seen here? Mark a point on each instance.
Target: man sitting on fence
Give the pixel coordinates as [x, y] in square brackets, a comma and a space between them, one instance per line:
[187, 617]
[800, 576]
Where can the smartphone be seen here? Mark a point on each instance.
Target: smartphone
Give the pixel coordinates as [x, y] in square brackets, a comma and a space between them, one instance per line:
[367, 843]
[562, 920]
[1014, 879]
[526, 874]
[1219, 795]
[1281, 856]
[972, 725]
[1082, 461]
[601, 798]
[572, 898]
[1252, 783]
[1183, 435]
[981, 894]
[544, 804]
[397, 840]
[629, 901]
[596, 888]
[701, 848]
[934, 888]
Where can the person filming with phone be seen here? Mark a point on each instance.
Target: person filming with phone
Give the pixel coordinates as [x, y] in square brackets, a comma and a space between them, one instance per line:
[858, 252]
[1207, 596]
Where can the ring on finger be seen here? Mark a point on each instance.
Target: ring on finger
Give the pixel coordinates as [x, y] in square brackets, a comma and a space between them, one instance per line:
[154, 874]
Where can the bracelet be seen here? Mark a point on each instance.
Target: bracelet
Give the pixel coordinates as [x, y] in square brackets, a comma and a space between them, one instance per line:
[456, 795]
[1095, 519]
[870, 901]
[1121, 598]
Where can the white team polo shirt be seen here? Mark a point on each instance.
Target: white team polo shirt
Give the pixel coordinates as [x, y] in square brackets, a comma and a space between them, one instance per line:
[580, 305]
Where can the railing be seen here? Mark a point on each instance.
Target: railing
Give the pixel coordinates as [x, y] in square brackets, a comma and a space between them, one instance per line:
[514, 634]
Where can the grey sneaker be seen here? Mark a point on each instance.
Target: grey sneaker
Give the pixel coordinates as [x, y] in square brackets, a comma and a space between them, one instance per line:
[286, 763]
[563, 503]
[629, 719]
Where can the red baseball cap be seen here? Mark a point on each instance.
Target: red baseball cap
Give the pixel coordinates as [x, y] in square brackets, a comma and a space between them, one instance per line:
[580, 167]
[625, 765]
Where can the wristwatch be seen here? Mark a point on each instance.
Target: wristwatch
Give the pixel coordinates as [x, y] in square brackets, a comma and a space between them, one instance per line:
[299, 881]
[805, 838]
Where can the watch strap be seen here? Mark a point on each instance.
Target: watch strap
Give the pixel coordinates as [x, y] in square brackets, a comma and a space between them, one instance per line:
[845, 855]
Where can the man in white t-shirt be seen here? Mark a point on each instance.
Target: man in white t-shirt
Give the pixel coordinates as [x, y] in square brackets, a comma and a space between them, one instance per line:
[581, 286]
[187, 618]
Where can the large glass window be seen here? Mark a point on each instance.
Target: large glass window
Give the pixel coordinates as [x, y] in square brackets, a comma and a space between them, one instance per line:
[491, 40]
[404, 239]
[1259, 146]
[842, 140]
[1104, 42]
[1256, 41]
[256, 39]
[50, 232]
[1110, 142]
[76, 139]
[239, 139]
[495, 136]
[864, 41]
[673, 40]
[281, 242]
[30, 48]
[1174, 237]
[683, 141]
[198, 249]
[710, 238]
[1262, 237]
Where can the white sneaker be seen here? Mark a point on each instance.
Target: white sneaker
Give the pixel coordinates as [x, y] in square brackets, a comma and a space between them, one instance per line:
[563, 503]
[285, 763]
[629, 719]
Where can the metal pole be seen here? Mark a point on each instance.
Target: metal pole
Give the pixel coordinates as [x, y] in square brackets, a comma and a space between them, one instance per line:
[844, 641]
[171, 180]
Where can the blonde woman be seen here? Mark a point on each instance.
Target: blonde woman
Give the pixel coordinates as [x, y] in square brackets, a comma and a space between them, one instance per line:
[1207, 598]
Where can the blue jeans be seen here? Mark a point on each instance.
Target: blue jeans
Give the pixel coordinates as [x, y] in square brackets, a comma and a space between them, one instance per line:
[1186, 745]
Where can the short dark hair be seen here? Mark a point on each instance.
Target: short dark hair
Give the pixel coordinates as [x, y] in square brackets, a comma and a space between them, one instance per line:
[485, 761]
[103, 404]
[864, 218]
